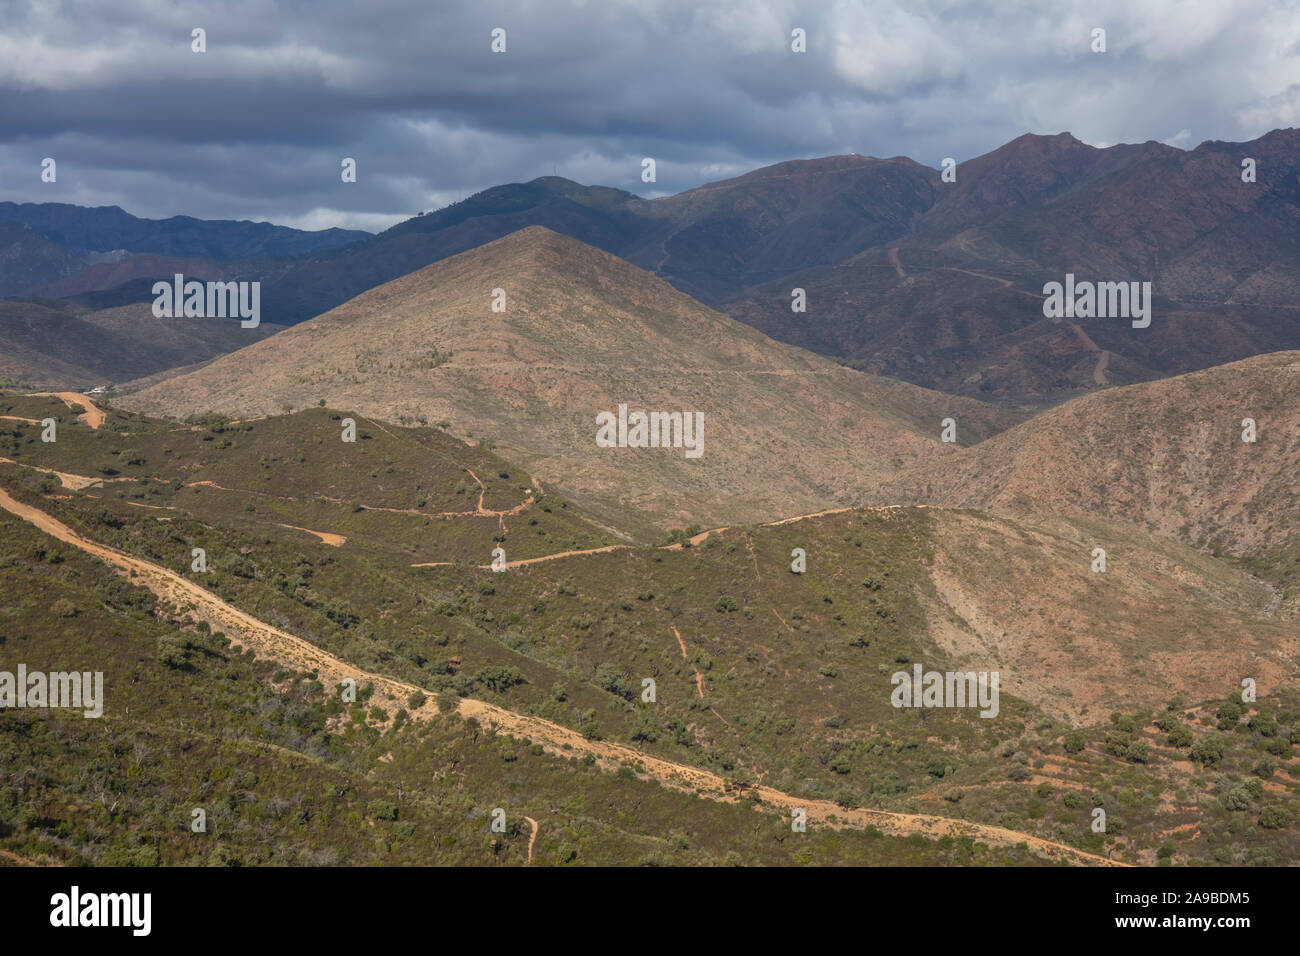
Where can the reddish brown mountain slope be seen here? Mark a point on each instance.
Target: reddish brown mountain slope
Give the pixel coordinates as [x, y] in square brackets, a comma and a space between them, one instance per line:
[785, 431]
[1167, 456]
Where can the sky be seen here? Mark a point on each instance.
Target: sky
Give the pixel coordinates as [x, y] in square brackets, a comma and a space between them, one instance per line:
[257, 126]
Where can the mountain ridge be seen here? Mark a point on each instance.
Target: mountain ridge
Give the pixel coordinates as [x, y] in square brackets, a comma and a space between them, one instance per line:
[584, 332]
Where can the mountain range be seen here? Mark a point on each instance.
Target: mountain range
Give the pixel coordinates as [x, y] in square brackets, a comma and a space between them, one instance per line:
[905, 275]
[416, 485]
[60, 249]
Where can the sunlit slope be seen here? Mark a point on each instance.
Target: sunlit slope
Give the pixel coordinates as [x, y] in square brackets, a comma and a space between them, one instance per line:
[582, 333]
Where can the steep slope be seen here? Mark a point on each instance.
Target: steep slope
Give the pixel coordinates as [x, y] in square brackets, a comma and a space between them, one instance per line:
[583, 333]
[709, 242]
[1167, 456]
[59, 249]
[117, 272]
[716, 240]
[1076, 641]
[957, 303]
[28, 259]
[770, 684]
[936, 283]
[50, 343]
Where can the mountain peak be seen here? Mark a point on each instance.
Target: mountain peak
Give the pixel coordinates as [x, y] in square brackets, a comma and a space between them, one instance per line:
[582, 333]
[1042, 143]
[557, 182]
[530, 241]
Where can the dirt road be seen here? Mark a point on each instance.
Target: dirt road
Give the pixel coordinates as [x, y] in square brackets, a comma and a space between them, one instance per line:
[73, 482]
[245, 630]
[699, 678]
[892, 256]
[92, 416]
[532, 837]
[334, 540]
[1099, 376]
[549, 557]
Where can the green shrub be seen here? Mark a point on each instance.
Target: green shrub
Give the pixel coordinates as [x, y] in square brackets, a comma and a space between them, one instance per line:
[1179, 736]
[1209, 750]
[1275, 818]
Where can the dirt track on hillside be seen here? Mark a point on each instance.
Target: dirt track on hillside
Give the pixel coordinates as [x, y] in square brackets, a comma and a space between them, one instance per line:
[334, 540]
[188, 597]
[699, 678]
[74, 482]
[532, 837]
[552, 557]
[93, 416]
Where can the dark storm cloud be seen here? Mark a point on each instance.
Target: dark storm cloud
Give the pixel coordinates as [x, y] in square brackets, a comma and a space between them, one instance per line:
[256, 127]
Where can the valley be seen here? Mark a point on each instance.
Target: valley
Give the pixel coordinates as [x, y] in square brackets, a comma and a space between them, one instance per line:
[772, 688]
[542, 530]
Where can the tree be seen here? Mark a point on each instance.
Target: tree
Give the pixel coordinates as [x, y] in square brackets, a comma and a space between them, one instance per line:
[1075, 741]
[647, 728]
[1274, 818]
[174, 651]
[1209, 750]
[1236, 799]
[611, 679]
[1229, 713]
[500, 678]
[1138, 752]
[1179, 736]
[1263, 724]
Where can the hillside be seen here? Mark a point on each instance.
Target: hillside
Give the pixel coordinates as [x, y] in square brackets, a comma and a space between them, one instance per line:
[769, 684]
[1166, 456]
[84, 229]
[934, 283]
[59, 344]
[290, 776]
[126, 271]
[28, 259]
[955, 302]
[584, 332]
[60, 249]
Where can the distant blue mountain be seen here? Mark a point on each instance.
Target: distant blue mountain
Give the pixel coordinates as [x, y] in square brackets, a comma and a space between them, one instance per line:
[82, 230]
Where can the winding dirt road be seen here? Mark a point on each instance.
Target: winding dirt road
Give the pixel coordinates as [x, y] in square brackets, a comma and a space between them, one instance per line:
[93, 416]
[245, 630]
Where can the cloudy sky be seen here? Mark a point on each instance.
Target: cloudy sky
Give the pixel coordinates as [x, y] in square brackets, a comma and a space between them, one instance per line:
[256, 127]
